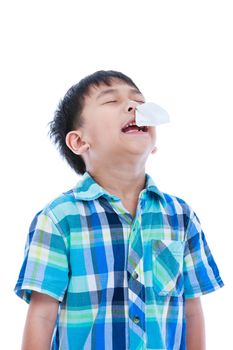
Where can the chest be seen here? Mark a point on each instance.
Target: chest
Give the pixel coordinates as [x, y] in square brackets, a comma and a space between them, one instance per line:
[130, 206]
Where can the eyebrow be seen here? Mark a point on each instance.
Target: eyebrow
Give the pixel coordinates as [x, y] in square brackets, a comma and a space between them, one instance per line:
[110, 91]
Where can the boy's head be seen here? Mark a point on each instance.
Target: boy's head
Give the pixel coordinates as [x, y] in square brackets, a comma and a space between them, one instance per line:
[88, 125]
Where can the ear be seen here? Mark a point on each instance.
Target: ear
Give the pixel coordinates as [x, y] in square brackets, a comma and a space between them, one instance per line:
[75, 142]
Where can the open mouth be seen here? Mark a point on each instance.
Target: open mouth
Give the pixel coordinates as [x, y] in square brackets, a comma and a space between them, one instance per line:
[133, 128]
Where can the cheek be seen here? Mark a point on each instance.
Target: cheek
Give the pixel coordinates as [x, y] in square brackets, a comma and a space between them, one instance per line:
[108, 128]
[154, 133]
[100, 135]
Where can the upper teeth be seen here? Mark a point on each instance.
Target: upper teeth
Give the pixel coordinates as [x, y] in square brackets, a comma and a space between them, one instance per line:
[130, 124]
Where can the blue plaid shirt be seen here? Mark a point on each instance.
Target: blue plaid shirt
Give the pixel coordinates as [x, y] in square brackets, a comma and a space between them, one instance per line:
[121, 281]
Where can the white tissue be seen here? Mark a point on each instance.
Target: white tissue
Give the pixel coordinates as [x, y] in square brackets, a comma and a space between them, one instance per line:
[151, 114]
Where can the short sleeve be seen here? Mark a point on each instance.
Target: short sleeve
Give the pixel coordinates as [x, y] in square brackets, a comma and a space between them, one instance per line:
[201, 274]
[45, 265]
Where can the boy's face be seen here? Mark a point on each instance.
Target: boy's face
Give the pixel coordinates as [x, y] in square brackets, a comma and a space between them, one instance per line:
[106, 111]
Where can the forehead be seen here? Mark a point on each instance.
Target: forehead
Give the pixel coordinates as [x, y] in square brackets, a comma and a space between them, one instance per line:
[116, 87]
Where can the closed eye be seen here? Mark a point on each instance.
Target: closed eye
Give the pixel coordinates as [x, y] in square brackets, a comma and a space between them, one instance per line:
[113, 101]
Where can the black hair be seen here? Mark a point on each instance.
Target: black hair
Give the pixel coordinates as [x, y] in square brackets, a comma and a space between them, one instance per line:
[68, 115]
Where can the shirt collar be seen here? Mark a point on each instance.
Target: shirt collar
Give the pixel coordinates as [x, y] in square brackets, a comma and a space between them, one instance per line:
[89, 189]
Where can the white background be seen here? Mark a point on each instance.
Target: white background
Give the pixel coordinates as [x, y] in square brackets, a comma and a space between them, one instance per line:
[179, 53]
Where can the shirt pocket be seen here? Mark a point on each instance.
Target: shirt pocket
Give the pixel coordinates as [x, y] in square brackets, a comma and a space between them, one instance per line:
[167, 267]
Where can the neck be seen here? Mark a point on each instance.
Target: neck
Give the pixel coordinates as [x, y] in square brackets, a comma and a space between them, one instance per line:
[124, 182]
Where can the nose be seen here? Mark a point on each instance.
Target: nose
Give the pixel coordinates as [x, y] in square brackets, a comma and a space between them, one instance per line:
[131, 106]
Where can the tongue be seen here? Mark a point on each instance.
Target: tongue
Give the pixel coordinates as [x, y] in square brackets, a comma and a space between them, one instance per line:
[131, 128]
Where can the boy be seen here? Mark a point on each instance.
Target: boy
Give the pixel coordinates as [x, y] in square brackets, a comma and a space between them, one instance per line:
[113, 263]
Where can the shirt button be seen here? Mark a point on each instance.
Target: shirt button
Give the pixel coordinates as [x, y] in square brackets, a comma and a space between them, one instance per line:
[136, 319]
[135, 275]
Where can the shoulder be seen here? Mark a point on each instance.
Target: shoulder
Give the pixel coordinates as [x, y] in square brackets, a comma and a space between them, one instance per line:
[176, 204]
[62, 207]
[178, 207]
[62, 200]
[58, 217]
[171, 204]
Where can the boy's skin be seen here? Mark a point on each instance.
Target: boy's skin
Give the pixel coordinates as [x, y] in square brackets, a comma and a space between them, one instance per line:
[117, 163]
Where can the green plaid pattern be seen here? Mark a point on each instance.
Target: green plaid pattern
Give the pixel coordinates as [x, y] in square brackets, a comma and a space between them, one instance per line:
[121, 281]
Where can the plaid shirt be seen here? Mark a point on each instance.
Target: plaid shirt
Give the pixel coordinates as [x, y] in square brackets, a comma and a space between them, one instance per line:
[121, 281]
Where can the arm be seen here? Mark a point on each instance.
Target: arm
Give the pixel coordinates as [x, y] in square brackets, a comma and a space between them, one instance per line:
[195, 337]
[40, 322]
